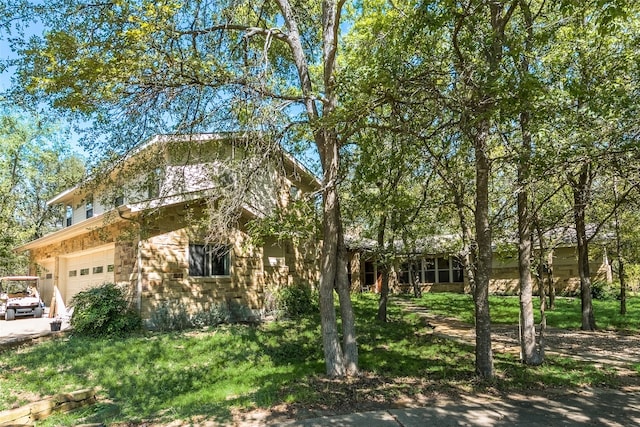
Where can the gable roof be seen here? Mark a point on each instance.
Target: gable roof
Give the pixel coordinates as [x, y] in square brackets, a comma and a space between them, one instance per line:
[294, 167]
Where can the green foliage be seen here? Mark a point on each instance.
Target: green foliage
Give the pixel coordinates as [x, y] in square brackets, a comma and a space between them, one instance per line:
[103, 311]
[174, 316]
[34, 166]
[295, 301]
[601, 290]
[297, 222]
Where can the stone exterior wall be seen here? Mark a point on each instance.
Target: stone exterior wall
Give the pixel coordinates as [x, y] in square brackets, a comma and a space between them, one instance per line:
[151, 257]
[304, 263]
[164, 268]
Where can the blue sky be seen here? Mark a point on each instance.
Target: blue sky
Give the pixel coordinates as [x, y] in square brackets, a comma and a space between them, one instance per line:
[5, 77]
[6, 53]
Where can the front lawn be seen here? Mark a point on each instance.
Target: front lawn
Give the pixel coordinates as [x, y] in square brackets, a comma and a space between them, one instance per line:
[566, 315]
[216, 373]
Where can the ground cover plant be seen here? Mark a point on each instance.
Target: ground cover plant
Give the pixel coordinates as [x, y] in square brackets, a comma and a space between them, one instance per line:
[566, 315]
[218, 373]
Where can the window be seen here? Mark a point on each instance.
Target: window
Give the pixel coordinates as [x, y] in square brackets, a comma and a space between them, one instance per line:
[456, 271]
[294, 192]
[89, 207]
[434, 270]
[84, 271]
[73, 273]
[443, 270]
[110, 268]
[430, 270]
[98, 270]
[206, 261]
[69, 215]
[49, 276]
[369, 274]
[410, 270]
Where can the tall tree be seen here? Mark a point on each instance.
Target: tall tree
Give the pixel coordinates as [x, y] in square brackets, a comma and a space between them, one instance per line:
[34, 166]
[145, 67]
[592, 76]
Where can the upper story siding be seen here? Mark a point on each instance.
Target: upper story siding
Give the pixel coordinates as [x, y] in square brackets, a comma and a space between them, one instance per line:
[165, 171]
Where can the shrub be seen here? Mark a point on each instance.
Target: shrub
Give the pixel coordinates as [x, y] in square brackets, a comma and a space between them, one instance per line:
[170, 316]
[174, 316]
[601, 290]
[216, 315]
[103, 311]
[294, 301]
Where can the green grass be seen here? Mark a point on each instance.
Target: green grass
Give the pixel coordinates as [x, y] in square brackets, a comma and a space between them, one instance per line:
[199, 375]
[566, 315]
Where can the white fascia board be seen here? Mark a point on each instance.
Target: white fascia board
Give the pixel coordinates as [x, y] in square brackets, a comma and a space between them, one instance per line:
[61, 196]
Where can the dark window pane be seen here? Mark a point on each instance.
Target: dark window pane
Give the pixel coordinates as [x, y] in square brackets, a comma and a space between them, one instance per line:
[404, 273]
[219, 267]
[430, 264]
[196, 260]
[369, 274]
[205, 261]
[443, 276]
[430, 276]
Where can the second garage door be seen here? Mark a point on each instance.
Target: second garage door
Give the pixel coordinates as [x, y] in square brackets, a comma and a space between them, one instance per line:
[87, 270]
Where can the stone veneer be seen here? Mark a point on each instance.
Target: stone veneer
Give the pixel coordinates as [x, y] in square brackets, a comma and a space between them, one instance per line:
[151, 256]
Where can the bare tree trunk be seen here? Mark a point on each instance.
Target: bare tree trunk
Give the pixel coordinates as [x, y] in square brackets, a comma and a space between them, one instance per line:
[623, 286]
[334, 358]
[384, 270]
[552, 288]
[484, 353]
[580, 198]
[467, 255]
[339, 361]
[415, 282]
[349, 343]
[529, 351]
[384, 295]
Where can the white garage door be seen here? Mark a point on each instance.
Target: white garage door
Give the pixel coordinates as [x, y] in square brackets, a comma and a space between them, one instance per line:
[88, 270]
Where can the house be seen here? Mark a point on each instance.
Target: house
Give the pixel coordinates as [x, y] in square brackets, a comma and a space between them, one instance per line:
[153, 223]
[435, 266]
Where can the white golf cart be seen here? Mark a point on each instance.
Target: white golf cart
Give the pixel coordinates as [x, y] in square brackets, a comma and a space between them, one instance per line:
[19, 297]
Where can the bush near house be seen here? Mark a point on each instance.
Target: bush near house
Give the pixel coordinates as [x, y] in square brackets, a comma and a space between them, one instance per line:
[295, 301]
[104, 311]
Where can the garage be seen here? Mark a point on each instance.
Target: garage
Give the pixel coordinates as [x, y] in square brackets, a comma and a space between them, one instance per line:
[46, 280]
[86, 269]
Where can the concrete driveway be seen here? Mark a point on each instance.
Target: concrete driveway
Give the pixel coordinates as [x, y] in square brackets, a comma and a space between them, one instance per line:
[24, 328]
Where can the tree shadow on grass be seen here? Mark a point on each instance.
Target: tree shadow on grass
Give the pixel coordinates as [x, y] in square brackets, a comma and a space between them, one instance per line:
[214, 374]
